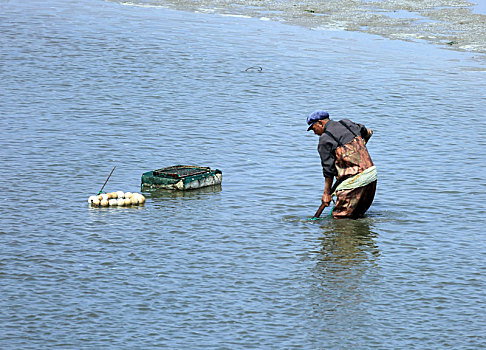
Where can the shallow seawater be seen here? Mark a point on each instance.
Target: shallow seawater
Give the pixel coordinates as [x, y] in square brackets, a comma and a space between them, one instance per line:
[479, 7]
[85, 86]
[452, 24]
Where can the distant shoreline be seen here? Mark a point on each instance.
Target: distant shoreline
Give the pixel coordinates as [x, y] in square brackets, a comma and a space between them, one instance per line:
[451, 25]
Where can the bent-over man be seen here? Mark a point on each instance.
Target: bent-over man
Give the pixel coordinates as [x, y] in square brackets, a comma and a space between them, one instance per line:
[343, 152]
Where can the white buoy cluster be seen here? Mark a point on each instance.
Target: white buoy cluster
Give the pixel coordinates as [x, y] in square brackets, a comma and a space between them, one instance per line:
[116, 199]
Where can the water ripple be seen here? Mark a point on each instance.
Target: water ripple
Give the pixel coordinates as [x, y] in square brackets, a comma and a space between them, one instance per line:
[85, 87]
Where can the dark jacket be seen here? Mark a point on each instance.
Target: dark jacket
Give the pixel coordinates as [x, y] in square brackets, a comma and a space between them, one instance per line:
[336, 134]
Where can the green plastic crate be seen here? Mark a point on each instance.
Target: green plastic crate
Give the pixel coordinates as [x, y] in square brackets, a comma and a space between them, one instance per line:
[182, 177]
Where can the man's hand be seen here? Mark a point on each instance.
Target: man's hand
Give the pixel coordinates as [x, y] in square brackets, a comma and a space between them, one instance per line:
[326, 199]
[367, 138]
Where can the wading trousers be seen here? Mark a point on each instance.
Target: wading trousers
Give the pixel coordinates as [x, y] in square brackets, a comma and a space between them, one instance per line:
[355, 202]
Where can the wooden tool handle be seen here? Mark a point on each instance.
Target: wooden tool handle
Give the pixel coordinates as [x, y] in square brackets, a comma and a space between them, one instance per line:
[319, 211]
[321, 208]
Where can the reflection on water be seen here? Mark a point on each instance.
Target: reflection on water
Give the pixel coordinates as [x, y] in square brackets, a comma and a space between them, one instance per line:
[347, 242]
[156, 194]
[346, 267]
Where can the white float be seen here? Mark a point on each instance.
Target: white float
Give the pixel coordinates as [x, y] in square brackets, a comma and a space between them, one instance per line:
[116, 199]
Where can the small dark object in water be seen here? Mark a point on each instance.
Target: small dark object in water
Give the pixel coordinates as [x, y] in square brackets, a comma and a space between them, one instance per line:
[254, 69]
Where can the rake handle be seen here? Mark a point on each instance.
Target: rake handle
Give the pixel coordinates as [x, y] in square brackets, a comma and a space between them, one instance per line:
[322, 206]
[319, 211]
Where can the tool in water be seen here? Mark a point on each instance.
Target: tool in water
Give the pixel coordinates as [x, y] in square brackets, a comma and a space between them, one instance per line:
[319, 211]
[322, 206]
[112, 170]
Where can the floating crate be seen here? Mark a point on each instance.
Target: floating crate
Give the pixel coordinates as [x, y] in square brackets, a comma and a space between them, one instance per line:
[181, 177]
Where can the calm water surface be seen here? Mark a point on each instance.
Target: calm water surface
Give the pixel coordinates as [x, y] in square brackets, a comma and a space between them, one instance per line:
[85, 86]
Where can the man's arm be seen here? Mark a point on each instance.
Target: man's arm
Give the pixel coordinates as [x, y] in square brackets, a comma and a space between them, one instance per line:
[326, 197]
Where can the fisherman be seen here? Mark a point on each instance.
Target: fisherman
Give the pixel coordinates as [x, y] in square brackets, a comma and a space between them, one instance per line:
[342, 148]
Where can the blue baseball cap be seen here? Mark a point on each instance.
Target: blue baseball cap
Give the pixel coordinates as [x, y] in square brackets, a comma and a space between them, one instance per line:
[315, 117]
